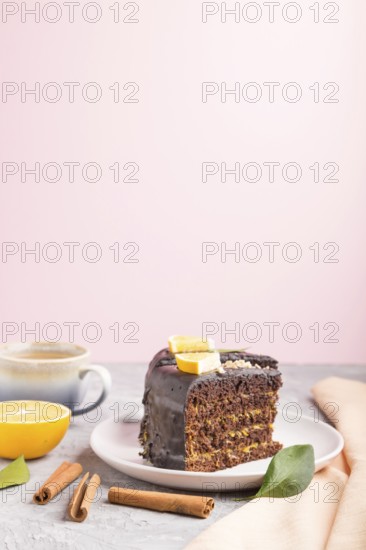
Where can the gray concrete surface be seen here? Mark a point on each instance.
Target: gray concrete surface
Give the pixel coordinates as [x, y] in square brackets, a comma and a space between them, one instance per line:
[25, 525]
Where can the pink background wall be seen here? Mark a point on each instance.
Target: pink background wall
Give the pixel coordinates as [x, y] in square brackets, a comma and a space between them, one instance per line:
[170, 212]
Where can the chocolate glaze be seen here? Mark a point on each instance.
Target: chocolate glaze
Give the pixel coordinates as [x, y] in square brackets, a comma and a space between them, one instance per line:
[166, 391]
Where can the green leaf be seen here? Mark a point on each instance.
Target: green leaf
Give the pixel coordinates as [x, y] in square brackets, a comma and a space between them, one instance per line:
[289, 473]
[16, 473]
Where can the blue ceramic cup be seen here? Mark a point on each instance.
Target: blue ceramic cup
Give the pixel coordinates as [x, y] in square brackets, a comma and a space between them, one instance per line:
[55, 372]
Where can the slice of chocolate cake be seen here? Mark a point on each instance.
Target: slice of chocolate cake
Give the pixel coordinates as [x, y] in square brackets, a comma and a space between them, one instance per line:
[210, 421]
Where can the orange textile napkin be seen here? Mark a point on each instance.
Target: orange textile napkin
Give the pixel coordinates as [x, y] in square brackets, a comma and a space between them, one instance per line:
[331, 513]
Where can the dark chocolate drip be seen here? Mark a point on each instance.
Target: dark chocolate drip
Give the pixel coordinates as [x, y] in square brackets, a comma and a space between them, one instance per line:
[163, 357]
[165, 397]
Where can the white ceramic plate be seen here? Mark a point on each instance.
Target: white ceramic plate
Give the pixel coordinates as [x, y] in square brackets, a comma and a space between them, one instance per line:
[116, 443]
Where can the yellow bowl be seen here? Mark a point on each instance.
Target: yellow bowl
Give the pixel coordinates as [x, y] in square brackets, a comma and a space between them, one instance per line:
[31, 428]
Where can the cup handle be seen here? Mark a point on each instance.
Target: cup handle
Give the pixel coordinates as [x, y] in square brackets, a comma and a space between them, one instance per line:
[106, 381]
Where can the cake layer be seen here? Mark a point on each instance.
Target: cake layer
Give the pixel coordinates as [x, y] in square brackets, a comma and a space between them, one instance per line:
[216, 432]
[244, 421]
[247, 409]
[200, 442]
[227, 458]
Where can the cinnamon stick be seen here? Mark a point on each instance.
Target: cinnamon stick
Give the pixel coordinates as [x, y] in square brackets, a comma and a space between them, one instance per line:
[61, 478]
[83, 497]
[197, 506]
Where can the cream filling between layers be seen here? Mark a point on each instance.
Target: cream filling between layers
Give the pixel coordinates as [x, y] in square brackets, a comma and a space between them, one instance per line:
[246, 432]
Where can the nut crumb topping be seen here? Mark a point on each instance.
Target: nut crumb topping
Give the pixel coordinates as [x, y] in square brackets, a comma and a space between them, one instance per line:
[240, 363]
